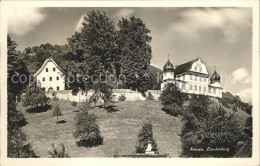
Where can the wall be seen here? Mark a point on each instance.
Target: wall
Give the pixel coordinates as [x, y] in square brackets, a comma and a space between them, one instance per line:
[54, 74]
[82, 96]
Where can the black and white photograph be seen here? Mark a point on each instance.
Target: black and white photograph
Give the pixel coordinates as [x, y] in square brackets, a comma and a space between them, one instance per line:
[129, 81]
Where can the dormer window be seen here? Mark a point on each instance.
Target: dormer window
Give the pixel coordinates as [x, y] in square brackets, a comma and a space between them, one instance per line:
[195, 68]
[200, 69]
[54, 69]
[46, 69]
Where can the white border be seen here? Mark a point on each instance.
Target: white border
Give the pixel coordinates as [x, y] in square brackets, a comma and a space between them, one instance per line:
[128, 161]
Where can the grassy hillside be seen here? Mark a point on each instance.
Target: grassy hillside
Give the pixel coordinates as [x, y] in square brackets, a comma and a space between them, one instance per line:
[119, 129]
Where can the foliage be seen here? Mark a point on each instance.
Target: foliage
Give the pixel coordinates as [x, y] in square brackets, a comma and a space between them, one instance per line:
[17, 144]
[172, 99]
[121, 98]
[87, 129]
[57, 112]
[208, 127]
[15, 68]
[135, 53]
[35, 96]
[92, 51]
[55, 153]
[103, 91]
[145, 135]
[74, 103]
[149, 96]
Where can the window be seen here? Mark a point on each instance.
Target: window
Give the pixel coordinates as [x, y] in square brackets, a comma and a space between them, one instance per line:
[183, 87]
[200, 69]
[204, 79]
[195, 68]
[50, 78]
[46, 69]
[190, 77]
[184, 77]
[214, 91]
[54, 69]
[57, 77]
[43, 78]
[200, 79]
[200, 88]
[58, 88]
[191, 87]
[195, 78]
[209, 90]
[195, 87]
[204, 89]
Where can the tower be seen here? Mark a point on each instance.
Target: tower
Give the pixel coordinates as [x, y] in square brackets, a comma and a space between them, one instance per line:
[215, 88]
[168, 73]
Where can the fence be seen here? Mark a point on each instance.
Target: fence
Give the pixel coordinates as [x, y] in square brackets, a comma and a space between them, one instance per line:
[82, 96]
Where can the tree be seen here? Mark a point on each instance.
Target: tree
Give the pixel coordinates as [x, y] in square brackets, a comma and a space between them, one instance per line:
[103, 91]
[135, 53]
[57, 112]
[149, 96]
[237, 102]
[58, 153]
[16, 69]
[17, 144]
[205, 127]
[35, 96]
[92, 51]
[87, 129]
[145, 135]
[172, 99]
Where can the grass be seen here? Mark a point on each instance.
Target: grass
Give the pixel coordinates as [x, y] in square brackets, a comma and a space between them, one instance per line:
[119, 129]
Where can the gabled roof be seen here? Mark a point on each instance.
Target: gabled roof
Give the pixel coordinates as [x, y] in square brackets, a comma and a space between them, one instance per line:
[44, 64]
[185, 67]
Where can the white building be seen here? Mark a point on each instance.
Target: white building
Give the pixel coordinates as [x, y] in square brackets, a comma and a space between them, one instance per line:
[50, 76]
[192, 77]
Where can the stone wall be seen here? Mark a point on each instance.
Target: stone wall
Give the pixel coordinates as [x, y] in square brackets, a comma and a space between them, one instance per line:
[82, 96]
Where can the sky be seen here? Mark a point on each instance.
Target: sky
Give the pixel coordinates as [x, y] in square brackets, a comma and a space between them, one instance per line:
[219, 36]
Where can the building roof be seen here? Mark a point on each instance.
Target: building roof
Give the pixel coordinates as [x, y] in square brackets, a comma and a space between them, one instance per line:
[44, 64]
[168, 66]
[185, 67]
[215, 77]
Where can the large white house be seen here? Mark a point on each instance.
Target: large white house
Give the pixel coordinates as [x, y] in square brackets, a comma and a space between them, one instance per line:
[50, 76]
[192, 77]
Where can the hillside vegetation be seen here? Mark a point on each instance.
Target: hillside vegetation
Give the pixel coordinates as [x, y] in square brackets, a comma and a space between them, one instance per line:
[119, 129]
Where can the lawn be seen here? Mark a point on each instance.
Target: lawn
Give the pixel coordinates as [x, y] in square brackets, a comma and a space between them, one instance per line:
[119, 129]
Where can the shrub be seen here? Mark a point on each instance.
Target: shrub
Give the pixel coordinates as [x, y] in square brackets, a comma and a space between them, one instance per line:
[87, 130]
[74, 103]
[104, 91]
[172, 98]
[55, 153]
[149, 96]
[122, 98]
[205, 128]
[57, 112]
[173, 110]
[35, 96]
[145, 135]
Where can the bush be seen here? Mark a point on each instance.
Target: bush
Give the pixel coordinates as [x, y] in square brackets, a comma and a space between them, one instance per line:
[173, 110]
[57, 112]
[122, 97]
[74, 103]
[58, 153]
[87, 130]
[149, 96]
[172, 99]
[145, 135]
[205, 128]
[35, 96]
